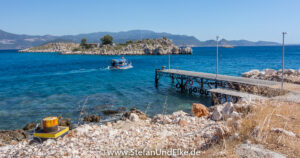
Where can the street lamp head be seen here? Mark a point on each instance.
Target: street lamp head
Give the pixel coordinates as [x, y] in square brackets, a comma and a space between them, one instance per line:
[284, 33]
[217, 37]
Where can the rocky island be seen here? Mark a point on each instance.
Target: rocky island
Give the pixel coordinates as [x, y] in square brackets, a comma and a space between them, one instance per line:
[161, 46]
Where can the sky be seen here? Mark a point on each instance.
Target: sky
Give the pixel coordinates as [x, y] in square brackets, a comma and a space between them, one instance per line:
[205, 19]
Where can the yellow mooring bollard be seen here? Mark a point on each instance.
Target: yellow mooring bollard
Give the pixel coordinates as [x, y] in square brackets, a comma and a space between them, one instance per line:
[51, 129]
[50, 124]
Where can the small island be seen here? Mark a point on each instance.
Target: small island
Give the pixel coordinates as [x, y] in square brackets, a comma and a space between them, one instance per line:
[160, 46]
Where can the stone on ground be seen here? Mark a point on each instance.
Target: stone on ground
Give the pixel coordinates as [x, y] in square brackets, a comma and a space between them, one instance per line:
[256, 151]
[91, 118]
[217, 113]
[200, 110]
[281, 130]
[134, 117]
[141, 115]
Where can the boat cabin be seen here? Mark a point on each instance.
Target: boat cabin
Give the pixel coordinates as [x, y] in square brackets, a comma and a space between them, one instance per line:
[118, 62]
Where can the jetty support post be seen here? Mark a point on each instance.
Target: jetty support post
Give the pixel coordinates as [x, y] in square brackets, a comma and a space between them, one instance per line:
[181, 85]
[156, 78]
[172, 77]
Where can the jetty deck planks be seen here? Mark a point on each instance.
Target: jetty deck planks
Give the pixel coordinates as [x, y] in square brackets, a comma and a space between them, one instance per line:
[243, 80]
[235, 93]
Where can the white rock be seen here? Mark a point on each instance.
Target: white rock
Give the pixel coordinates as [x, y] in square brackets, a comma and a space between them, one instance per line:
[281, 130]
[256, 151]
[269, 72]
[49, 142]
[167, 119]
[179, 114]
[262, 74]
[234, 136]
[235, 114]
[253, 72]
[112, 133]
[289, 71]
[217, 114]
[228, 109]
[250, 73]
[134, 117]
[84, 129]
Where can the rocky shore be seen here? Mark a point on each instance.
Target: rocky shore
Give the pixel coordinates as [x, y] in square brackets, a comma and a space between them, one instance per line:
[204, 129]
[141, 47]
[290, 75]
[52, 47]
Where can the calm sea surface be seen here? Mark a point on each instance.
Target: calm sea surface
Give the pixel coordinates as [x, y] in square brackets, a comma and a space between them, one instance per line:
[36, 85]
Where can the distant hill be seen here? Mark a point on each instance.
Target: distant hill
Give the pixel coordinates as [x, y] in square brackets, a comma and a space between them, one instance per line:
[224, 42]
[16, 41]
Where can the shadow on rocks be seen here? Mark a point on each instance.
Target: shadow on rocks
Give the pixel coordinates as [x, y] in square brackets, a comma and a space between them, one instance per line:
[139, 113]
[91, 118]
[112, 112]
[12, 136]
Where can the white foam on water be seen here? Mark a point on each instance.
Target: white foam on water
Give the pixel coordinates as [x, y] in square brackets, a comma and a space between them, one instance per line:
[57, 73]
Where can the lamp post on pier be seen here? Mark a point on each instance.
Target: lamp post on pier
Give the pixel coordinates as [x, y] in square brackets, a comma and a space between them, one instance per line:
[282, 78]
[169, 58]
[217, 38]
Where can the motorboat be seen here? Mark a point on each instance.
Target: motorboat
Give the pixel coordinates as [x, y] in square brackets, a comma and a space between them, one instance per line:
[121, 63]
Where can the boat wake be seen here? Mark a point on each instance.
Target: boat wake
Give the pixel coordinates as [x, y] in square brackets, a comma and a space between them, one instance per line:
[77, 71]
[55, 73]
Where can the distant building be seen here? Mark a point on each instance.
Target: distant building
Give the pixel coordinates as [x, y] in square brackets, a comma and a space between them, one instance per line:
[93, 44]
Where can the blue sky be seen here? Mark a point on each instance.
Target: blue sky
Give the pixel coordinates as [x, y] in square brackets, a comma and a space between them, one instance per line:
[204, 19]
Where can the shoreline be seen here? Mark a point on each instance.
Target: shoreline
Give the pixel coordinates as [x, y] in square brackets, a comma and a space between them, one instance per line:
[204, 130]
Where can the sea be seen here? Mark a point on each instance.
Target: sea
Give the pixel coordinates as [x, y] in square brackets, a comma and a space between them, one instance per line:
[37, 85]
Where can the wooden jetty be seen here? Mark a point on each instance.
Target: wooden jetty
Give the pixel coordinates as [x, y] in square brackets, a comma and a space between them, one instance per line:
[220, 87]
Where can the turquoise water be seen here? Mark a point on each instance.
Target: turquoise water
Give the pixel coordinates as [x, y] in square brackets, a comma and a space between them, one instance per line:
[35, 85]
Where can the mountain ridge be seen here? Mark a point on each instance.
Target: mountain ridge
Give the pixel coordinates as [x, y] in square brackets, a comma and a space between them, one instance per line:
[21, 41]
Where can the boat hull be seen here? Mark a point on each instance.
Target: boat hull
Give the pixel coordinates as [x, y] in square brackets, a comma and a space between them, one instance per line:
[120, 67]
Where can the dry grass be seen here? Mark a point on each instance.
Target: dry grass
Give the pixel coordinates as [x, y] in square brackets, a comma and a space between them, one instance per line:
[257, 126]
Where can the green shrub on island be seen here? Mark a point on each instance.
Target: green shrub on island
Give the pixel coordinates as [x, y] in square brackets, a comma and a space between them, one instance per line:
[107, 40]
[83, 42]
